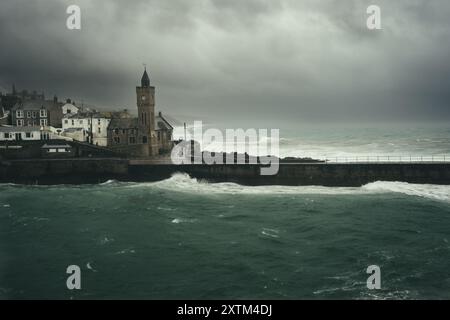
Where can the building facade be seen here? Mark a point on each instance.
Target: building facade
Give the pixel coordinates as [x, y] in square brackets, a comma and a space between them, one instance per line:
[146, 135]
[37, 113]
[164, 134]
[90, 127]
[26, 133]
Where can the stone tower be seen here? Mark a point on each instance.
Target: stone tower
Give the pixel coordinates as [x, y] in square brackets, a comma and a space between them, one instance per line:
[145, 95]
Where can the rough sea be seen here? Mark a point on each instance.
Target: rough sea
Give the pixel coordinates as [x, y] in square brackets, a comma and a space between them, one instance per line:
[186, 239]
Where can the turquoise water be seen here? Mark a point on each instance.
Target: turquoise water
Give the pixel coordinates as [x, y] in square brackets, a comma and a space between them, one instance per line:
[186, 239]
[181, 238]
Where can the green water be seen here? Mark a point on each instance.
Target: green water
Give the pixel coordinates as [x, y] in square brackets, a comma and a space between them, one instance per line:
[185, 239]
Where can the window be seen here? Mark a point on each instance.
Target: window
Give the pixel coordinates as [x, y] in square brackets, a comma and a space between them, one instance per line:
[7, 135]
[43, 113]
[116, 131]
[124, 131]
[43, 122]
[33, 115]
[45, 136]
[99, 130]
[19, 113]
[99, 122]
[80, 122]
[28, 114]
[159, 136]
[69, 111]
[144, 139]
[116, 139]
[28, 135]
[132, 140]
[19, 122]
[73, 122]
[66, 121]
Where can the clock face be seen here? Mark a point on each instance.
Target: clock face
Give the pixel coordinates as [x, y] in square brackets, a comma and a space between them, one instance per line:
[143, 98]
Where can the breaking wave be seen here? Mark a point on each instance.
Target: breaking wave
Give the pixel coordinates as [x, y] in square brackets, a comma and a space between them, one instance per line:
[431, 191]
[182, 182]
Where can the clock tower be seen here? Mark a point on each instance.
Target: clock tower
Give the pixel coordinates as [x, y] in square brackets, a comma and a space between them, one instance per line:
[145, 96]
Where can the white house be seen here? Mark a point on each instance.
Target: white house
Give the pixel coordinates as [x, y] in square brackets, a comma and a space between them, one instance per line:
[87, 127]
[69, 108]
[28, 133]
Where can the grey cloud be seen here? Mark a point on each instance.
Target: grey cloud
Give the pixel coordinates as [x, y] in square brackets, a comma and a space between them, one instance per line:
[286, 60]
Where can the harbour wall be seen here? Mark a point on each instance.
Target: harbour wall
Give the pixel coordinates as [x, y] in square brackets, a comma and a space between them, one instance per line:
[79, 171]
[63, 171]
[324, 174]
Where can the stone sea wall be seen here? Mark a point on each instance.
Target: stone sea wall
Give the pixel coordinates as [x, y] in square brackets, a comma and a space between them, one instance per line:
[78, 171]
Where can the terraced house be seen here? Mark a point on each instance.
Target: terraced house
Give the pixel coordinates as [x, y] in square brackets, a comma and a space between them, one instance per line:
[37, 113]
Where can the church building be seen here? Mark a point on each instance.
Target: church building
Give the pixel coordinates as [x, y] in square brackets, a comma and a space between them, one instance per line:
[147, 135]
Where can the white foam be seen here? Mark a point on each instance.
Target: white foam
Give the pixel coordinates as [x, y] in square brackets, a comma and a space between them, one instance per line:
[272, 233]
[88, 265]
[180, 220]
[181, 182]
[125, 251]
[431, 191]
[108, 182]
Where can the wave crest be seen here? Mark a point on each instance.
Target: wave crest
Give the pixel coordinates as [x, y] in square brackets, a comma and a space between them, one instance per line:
[430, 191]
[182, 182]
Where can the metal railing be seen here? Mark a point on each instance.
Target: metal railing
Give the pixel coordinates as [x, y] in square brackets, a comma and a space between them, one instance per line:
[384, 159]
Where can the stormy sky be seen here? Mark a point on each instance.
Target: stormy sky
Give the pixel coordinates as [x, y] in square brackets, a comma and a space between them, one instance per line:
[248, 60]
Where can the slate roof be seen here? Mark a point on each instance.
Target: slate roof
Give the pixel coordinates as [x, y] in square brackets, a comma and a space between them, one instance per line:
[162, 123]
[83, 114]
[51, 146]
[35, 105]
[123, 123]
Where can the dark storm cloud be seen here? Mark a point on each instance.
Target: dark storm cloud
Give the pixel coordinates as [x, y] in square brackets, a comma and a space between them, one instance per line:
[262, 59]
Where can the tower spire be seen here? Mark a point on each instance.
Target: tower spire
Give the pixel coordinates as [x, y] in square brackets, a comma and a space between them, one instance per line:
[145, 80]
